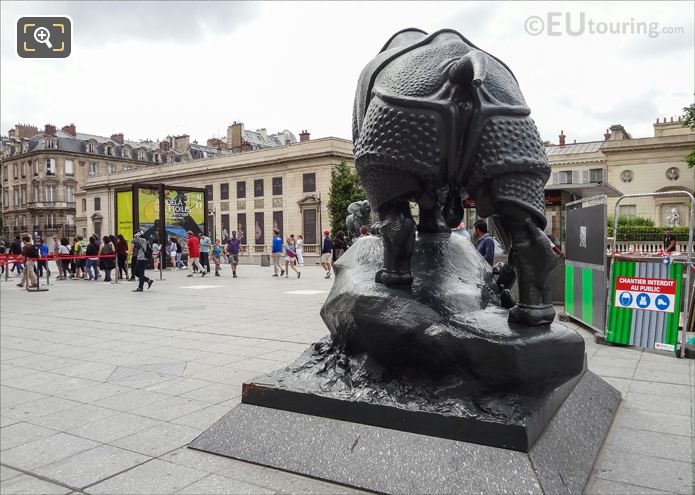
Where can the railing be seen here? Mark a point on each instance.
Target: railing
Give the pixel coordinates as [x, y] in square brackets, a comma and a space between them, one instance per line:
[259, 249]
[51, 204]
[647, 247]
[311, 248]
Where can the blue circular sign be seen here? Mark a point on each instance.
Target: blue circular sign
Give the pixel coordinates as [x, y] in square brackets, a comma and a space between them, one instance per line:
[643, 300]
[625, 298]
[662, 302]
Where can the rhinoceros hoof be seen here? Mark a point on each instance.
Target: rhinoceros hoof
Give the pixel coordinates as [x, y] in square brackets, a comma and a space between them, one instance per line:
[449, 323]
[532, 315]
[394, 279]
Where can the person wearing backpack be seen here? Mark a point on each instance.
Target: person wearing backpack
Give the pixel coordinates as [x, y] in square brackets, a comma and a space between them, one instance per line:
[29, 252]
[140, 246]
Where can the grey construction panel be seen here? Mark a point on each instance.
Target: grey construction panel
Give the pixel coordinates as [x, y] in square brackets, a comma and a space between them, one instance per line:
[598, 279]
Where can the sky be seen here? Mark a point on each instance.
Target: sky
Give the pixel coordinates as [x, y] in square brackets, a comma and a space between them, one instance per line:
[152, 69]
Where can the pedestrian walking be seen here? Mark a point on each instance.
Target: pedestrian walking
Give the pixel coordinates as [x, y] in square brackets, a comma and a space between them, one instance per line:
[205, 247]
[233, 249]
[486, 246]
[81, 250]
[216, 255]
[179, 253]
[55, 250]
[193, 245]
[290, 258]
[16, 250]
[327, 253]
[3, 251]
[299, 247]
[122, 256]
[140, 254]
[276, 253]
[30, 253]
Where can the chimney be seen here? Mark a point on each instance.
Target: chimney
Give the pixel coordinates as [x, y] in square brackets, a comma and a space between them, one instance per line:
[24, 131]
[182, 143]
[215, 143]
[304, 136]
[164, 145]
[70, 129]
[607, 135]
[263, 132]
[49, 130]
[117, 137]
[235, 136]
[618, 132]
[561, 136]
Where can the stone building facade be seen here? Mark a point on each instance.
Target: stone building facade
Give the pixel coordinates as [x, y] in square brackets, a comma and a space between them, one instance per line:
[283, 187]
[625, 165]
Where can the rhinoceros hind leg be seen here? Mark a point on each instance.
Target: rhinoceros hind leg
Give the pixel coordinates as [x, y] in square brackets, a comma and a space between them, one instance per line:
[532, 258]
[398, 233]
[432, 221]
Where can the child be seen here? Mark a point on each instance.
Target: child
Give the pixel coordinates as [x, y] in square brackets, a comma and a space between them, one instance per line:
[290, 258]
[216, 255]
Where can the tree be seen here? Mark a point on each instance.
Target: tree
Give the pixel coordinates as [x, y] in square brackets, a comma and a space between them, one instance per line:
[345, 189]
[689, 121]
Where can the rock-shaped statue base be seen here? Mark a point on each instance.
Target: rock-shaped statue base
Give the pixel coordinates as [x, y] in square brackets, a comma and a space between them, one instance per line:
[448, 324]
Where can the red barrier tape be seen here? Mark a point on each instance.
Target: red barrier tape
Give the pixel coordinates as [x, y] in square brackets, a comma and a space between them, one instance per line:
[20, 258]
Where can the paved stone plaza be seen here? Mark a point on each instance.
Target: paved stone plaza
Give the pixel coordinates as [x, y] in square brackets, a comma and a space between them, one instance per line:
[103, 388]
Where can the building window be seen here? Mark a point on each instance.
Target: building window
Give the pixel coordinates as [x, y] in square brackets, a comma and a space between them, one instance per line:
[15, 170]
[70, 194]
[224, 190]
[51, 143]
[70, 220]
[24, 170]
[109, 151]
[5, 198]
[93, 168]
[36, 168]
[208, 191]
[15, 197]
[258, 188]
[596, 175]
[4, 173]
[84, 205]
[50, 220]
[69, 168]
[309, 182]
[50, 166]
[277, 186]
[241, 190]
[125, 153]
[23, 195]
[50, 194]
[35, 197]
[23, 219]
[564, 177]
[309, 225]
[141, 154]
[97, 204]
[627, 211]
[110, 168]
[91, 148]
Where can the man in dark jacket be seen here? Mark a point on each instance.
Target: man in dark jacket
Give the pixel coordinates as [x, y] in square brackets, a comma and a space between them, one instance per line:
[486, 246]
[327, 253]
[140, 254]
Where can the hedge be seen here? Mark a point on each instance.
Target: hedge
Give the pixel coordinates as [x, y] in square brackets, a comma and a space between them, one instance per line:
[647, 233]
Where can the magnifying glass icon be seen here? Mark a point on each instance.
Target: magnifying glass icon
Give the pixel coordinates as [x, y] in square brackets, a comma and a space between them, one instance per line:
[43, 35]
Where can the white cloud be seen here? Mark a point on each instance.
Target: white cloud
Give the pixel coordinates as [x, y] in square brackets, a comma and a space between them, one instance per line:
[149, 69]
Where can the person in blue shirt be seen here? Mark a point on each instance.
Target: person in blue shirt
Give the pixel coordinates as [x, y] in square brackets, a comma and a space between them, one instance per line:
[277, 253]
[205, 247]
[486, 246]
[43, 251]
[327, 253]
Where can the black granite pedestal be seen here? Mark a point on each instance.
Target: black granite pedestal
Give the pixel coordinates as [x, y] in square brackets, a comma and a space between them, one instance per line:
[390, 460]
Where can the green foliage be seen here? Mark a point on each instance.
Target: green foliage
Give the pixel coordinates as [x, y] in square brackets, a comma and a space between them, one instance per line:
[345, 189]
[689, 121]
[632, 221]
[646, 233]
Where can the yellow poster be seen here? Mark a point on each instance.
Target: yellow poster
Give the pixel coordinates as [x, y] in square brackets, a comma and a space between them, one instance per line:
[124, 222]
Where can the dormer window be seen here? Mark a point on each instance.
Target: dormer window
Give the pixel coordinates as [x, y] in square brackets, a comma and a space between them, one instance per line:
[51, 143]
[91, 148]
[141, 154]
[108, 150]
[25, 146]
[156, 158]
[126, 153]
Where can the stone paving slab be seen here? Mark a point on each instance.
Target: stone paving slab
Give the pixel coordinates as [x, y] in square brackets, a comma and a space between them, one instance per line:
[200, 345]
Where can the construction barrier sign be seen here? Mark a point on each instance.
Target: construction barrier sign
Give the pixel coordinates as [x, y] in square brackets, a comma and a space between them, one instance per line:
[651, 294]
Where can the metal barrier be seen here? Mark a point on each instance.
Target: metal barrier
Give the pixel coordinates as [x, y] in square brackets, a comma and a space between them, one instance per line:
[647, 291]
[585, 261]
